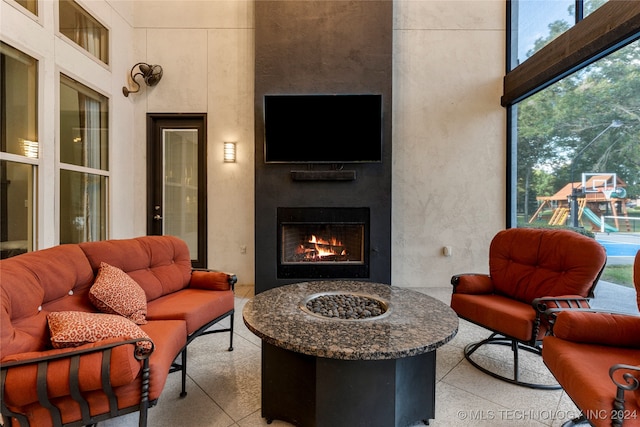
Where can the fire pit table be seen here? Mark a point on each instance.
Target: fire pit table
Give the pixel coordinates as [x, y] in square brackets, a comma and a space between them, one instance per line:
[348, 353]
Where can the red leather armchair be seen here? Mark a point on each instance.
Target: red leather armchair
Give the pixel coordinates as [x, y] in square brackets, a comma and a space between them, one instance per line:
[525, 264]
[595, 356]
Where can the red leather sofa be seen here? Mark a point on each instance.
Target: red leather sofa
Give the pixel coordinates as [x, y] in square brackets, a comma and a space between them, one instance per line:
[70, 354]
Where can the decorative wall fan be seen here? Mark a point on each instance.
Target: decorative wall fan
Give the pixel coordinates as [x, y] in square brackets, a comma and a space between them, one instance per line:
[151, 74]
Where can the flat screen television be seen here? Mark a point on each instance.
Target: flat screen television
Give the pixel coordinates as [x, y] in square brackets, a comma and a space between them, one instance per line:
[323, 128]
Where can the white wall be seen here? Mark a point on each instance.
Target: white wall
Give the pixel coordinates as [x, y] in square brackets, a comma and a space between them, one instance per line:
[449, 166]
[449, 133]
[206, 52]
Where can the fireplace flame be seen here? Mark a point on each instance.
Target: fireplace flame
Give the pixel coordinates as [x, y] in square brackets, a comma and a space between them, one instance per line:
[323, 248]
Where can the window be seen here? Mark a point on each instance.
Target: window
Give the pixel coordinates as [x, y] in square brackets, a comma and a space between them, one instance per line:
[30, 5]
[585, 123]
[18, 150]
[84, 30]
[535, 23]
[574, 108]
[83, 163]
[533, 19]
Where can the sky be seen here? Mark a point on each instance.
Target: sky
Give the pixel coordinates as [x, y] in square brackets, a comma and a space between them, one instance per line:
[534, 19]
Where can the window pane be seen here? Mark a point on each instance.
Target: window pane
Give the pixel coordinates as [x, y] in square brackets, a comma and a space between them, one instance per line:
[181, 186]
[83, 125]
[591, 5]
[16, 208]
[536, 23]
[585, 124]
[84, 30]
[30, 5]
[18, 102]
[82, 207]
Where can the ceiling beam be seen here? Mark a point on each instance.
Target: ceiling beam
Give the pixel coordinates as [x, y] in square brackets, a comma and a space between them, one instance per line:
[612, 25]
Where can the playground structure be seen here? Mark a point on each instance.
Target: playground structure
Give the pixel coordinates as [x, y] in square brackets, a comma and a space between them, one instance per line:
[603, 194]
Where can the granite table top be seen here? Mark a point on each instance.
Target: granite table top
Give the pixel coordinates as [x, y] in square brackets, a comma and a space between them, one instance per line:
[414, 324]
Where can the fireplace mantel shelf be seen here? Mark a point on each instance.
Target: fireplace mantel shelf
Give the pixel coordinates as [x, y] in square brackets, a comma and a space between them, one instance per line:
[323, 175]
[416, 324]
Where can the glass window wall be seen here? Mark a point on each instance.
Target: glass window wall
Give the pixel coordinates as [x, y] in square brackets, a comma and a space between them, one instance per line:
[19, 150]
[575, 144]
[83, 29]
[83, 163]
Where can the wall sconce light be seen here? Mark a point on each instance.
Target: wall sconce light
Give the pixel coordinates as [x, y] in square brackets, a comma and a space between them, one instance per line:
[151, 74]
[30, 148]
[229, 152]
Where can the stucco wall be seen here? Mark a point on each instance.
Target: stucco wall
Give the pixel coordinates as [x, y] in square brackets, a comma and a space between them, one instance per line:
[449, 168]
[206, 51]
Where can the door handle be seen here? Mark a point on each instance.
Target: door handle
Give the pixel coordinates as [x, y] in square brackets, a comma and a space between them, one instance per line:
[157, 217]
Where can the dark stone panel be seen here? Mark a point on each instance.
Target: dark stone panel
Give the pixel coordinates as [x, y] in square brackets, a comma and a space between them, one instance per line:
[322, 47]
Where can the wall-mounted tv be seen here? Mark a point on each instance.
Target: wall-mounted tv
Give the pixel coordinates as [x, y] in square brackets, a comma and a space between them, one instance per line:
[323, 128]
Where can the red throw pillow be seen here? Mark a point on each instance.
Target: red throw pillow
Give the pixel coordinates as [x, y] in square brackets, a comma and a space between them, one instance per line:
[75, 328]
[115, 292]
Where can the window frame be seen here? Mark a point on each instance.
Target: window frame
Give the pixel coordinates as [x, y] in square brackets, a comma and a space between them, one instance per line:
[34, 162]
[609, 28]
[71, 42]
[32, 14]
[60, 166]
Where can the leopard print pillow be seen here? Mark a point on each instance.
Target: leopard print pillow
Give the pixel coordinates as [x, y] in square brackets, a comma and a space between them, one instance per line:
[75, 328]
[114, 292]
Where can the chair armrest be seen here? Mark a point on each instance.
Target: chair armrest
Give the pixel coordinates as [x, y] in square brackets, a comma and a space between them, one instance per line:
[472, 283]
[565, 302]
[36, 376]
[212, 280]
[597, 327]
[547, 308]
[626, 378]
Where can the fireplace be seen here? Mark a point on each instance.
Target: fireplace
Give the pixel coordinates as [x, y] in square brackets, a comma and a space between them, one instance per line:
[323, 243]
[286, 65]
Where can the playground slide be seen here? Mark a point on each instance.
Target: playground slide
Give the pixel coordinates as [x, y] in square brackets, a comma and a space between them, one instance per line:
[591, 216]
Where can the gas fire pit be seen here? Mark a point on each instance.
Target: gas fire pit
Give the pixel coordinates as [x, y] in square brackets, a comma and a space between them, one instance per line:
[345, 306]
[314, 357]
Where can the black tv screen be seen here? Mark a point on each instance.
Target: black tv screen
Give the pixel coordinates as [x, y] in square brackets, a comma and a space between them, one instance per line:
[323, 128]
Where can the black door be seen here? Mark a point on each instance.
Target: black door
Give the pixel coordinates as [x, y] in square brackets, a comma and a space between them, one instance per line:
[177, 182]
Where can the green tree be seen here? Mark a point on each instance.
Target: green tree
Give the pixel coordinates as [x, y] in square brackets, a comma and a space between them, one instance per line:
[555, 124]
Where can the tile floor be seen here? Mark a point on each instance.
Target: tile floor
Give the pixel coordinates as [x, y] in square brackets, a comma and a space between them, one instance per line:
[224, 387]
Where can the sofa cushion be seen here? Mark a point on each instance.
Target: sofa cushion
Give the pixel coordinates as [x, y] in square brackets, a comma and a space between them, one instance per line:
[74, 328]
[498, 313]
[212, 280]
[159, 264]
[195, 306]
[59, 276]
[526, 264]
[114, 292]
[583, 371]
[20, 383]
[169, 337]
[616, 330]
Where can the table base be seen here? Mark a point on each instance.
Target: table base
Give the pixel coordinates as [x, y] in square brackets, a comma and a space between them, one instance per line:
[313, 391]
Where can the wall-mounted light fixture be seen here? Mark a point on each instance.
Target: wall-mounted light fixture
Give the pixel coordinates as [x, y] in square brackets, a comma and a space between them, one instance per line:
[30, 148]
[151, 74]
[229, 152]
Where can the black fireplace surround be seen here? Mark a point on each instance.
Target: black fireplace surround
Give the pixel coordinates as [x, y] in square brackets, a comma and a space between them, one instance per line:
[324, 47]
